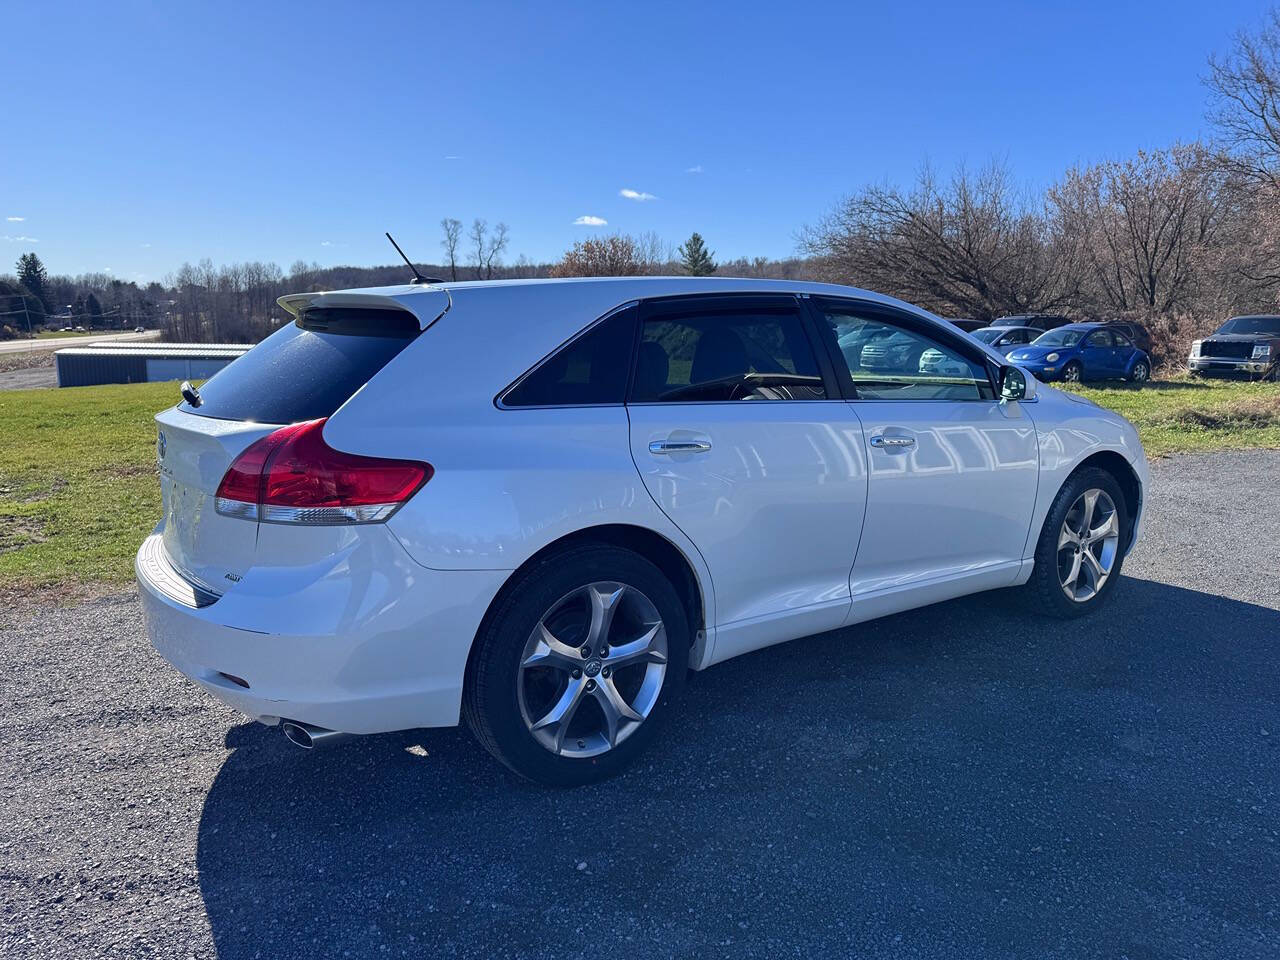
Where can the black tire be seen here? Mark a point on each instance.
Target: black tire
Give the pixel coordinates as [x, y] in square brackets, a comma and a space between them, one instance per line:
[1078, 368]
[1140, 373]
[490, 701]
[1043, 592]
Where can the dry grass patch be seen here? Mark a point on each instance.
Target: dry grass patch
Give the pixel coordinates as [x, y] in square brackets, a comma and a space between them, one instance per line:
[1250, 413]
[1183, 415]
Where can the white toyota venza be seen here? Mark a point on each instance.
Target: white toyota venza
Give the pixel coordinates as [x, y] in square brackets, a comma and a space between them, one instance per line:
[538, 504]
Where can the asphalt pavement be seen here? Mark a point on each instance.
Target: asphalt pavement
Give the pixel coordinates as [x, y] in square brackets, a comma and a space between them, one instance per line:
[961, 781]
[57, 343]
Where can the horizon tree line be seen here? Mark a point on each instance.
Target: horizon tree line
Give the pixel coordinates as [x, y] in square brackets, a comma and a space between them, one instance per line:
[1178, 236]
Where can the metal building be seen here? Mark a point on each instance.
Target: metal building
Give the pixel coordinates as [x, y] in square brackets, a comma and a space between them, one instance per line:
[143, 362]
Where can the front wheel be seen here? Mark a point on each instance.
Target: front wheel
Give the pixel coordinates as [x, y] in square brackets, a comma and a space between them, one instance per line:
[576, 666]
[1081, 546]
[1073, 372]
[1140, 373]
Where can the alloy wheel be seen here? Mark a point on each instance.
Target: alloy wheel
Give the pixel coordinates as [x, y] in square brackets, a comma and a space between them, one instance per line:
[1071, 373]
[592, 670]
[1140, 372]
[1088, 545]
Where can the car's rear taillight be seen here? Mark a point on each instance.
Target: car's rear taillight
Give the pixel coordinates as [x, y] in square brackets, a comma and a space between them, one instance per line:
[293, 476]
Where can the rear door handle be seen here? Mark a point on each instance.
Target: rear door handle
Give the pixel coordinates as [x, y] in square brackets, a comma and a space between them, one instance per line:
[664, 447]
[893, 443]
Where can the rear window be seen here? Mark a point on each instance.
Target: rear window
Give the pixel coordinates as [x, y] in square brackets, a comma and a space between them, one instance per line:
[307, 369]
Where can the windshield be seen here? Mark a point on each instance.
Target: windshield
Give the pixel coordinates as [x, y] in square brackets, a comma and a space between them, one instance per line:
[988, 335]
[1251, 325]
[1059, 338]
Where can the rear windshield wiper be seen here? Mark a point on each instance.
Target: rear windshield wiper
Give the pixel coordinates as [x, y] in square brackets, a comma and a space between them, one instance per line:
[739, 380]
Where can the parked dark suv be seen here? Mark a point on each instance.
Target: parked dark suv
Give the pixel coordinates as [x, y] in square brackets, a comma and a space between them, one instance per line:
[1136, 332]
[1243, 345]
[1039, 321]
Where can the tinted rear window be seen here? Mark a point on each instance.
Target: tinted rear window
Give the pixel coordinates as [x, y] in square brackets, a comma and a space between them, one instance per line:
[589, 371]
[308, 368]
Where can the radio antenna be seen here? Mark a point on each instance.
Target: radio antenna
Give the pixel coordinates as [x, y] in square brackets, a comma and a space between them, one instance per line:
[417, 277]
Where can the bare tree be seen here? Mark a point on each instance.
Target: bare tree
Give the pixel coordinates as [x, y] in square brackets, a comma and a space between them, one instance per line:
[452, 237]
[654, 255]
[1244, 88]
[486, 247]
[1146, 223]
[972, 245]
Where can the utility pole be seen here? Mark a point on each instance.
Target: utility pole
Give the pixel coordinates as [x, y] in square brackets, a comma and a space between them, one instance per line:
[26, 312]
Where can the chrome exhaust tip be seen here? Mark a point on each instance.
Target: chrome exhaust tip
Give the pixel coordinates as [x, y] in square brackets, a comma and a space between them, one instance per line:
[308, 736]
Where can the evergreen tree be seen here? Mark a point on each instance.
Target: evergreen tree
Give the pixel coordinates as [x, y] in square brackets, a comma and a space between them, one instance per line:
[33, 276]
[94, 309]
[696, 258]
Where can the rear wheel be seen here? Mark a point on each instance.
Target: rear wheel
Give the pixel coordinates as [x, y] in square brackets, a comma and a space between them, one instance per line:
[575, 668]
[1140, 373]
[1081, 546]
[1072, 372]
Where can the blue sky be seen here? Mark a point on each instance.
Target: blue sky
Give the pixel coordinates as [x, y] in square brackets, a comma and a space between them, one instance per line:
[137, 136]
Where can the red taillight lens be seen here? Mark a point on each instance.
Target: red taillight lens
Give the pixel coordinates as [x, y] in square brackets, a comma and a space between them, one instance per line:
[293, 476]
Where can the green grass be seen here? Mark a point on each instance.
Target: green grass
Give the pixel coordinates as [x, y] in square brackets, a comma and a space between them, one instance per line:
[78, 485]
[1187, 416]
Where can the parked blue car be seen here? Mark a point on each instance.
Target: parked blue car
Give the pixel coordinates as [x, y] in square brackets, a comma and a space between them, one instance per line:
[1083, 351]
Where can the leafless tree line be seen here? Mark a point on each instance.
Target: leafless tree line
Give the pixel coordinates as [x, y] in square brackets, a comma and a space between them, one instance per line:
[1180, 236]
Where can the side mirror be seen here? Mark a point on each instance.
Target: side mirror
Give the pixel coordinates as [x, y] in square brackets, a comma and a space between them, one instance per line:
[1013, 383]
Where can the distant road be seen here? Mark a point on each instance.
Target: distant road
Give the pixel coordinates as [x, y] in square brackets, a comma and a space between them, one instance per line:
[56, 343]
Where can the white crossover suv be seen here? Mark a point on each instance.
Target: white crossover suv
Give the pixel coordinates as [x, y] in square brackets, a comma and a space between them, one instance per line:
[538, 504]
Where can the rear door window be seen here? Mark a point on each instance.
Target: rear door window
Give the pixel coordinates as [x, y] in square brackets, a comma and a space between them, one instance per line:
[308, 368]
[751, 352]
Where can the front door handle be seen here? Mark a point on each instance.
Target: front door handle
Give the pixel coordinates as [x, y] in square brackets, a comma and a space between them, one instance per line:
[893, 443]
[663, 447]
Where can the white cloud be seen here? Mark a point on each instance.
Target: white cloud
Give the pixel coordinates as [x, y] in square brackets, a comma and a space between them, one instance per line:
[15, 219]
[453, 156]
[694, 169]
[19, 239]
[144, 245]
[326, 243]
[635, 194]
[590, 221]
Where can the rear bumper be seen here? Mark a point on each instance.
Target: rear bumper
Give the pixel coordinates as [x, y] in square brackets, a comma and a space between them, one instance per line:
[366, 641]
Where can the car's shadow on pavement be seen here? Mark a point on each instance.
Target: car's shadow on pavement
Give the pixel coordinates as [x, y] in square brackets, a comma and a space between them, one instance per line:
[963, 780]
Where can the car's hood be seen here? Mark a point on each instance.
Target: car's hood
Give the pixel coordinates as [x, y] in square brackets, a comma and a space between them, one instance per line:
[1034, 353]
[1243, 337]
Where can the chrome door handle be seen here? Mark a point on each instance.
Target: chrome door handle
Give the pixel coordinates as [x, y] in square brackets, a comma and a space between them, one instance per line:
[679, 446]
[899, 442]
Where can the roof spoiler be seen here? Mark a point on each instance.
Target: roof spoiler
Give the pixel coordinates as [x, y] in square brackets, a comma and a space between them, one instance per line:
[428, 305]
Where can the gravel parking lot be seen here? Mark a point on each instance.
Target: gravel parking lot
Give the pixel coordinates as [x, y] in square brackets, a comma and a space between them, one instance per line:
[961, 781]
